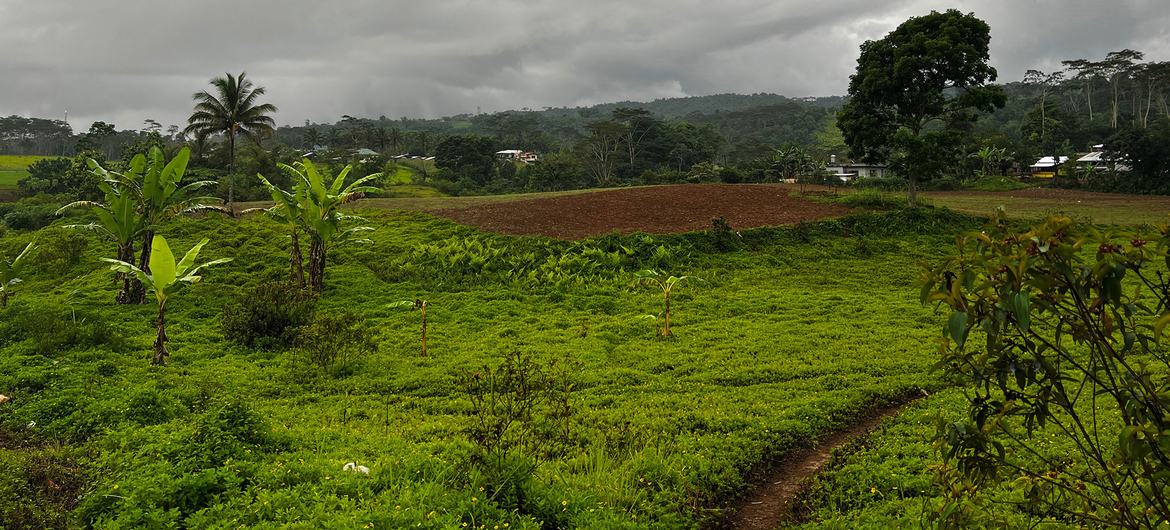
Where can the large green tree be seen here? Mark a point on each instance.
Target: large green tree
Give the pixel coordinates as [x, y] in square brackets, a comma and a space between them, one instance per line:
[915, 89]
[231, 109]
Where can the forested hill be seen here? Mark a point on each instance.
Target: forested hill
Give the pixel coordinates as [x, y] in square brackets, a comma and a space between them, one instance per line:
[747, 123]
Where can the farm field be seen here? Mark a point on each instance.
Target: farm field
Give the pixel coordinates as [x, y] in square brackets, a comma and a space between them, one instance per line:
[791, 336]
[491, 212]
[12, 169]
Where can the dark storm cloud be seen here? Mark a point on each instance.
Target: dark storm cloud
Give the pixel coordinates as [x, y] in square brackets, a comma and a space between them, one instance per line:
[127, 60]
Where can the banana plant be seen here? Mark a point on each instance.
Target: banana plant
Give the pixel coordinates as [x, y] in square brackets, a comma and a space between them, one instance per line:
[118, 219]
[161, 196]
[164, 279]
[666, 284]
[286, 208]
[9, 271]
[420, 305]
[319, 207]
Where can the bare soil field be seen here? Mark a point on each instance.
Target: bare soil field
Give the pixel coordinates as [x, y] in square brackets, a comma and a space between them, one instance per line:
[653, 209]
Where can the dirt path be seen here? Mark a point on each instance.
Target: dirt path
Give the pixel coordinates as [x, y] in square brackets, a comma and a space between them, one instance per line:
[770, 504]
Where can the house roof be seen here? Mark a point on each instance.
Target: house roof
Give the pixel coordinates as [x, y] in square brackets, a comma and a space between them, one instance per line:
[365, 152]
[1095, 156]
[1047, 162]
[509, 152]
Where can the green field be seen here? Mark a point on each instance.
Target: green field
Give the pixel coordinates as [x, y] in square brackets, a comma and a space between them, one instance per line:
[12, 169]
[773, 350]
[793, 333]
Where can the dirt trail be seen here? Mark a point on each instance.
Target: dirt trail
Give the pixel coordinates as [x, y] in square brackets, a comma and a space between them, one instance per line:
[770, 504]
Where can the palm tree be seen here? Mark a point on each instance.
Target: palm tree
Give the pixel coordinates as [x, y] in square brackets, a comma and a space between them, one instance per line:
[232, 111]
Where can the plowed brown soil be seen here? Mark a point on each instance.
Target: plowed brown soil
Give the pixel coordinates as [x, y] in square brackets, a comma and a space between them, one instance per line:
[653, 209]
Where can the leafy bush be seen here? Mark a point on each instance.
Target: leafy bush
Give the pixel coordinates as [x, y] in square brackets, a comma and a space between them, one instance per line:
[996, 183]
[336, 340]
[1067, 341]
[480, 259]
[61, 247]
[521, 415]
[268, 316]
[30, 217]
[53, 328]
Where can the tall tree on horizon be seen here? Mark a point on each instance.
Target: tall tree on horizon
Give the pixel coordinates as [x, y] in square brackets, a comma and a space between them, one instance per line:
[915, 90]
[232, 110]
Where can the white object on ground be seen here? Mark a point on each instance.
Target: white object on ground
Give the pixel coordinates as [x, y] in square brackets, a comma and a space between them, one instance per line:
[352, 466]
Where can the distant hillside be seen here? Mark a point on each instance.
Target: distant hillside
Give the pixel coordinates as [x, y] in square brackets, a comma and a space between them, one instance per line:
[745, 121]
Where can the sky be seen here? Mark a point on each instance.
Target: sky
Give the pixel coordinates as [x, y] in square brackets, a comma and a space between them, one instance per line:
[124, 61]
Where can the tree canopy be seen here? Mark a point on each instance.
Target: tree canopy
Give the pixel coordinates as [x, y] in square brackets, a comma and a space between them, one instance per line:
[916, 89]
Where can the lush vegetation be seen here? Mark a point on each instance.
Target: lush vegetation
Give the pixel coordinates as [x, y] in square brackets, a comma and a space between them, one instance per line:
[656, 432]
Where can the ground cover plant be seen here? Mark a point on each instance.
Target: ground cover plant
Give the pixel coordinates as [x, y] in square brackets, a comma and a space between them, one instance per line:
[660, 434]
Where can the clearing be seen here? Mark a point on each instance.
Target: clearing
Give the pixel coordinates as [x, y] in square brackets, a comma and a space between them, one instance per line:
[651, 209]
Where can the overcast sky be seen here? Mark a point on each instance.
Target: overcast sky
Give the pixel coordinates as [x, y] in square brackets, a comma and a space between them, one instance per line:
[127, 60]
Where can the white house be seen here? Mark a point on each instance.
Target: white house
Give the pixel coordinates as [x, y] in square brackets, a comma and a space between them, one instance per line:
[1047, 166]
[517, 155]
[847, 171]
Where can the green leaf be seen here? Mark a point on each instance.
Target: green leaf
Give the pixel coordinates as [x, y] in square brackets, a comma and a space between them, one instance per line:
[1020, 307]
[162, 263]
[957, 328]
[1160, 325]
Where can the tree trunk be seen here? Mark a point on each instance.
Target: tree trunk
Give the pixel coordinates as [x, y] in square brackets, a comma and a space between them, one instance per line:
[4, 303]
[126, 253]
[231, 170]
[137, 290]
[912, 189]
[666, 318]
[296, 270]
[160, 342]
[317, 264]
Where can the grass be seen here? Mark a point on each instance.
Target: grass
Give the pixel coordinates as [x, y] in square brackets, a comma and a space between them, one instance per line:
[9, 177]
[15, 162]
[1101, 208]
[789, 338]
[12, 168]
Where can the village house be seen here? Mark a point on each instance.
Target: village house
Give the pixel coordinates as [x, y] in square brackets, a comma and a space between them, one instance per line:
[847, 171]
[517, 155]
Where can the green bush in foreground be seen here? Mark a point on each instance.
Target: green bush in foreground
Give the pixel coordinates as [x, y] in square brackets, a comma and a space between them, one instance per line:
[1071, 319]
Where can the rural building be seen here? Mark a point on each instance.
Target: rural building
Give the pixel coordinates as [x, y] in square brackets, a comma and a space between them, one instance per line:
[1098, 161]
[847, 171]
[1046, 167]
[516, 155]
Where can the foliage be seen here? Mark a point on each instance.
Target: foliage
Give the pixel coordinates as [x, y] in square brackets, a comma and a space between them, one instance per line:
[232, 110]
[871, 199]
[471, 157]
[521, 416]
[10, 270]
[1069, 320]
[49, 329]
[314, 206]
[164, 280]
[901, 90]
[665, 433]
[268, 316]
[666, 284]
[335, 341]
[28, 215]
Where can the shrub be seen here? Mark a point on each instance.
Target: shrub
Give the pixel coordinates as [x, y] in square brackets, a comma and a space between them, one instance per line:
[336, 340]
[61, 247]
[30, 217]
[267, 317]
[54, 328]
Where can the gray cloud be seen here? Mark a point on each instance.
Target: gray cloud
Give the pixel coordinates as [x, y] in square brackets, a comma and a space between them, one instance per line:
[127, 60]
